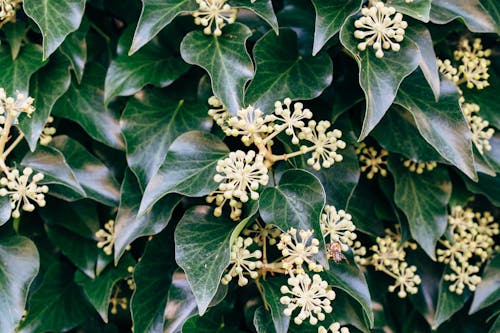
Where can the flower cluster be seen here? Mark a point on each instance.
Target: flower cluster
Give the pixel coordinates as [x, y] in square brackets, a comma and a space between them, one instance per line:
[8, 10]
[14, 106]
[471, 243]
[372, 160]
[243, 261]
[47, 132]
[106, 237]
[337, 227]
[388, 255]
[263, 233]
[116, 302]
[299, 250]
[419, 167]
[333, 328]
[480, 130]
[214, 15]
[379, 28]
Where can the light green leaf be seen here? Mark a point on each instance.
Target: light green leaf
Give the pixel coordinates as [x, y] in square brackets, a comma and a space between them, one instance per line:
[188, 169]
[19, 263]
[156, 15]
[330, 15]
[263, 8]
[441, 123]
[226, 60]
[488, 290]
[418, 9]
[149, 126]
[472, 12]
[129, 226]
[46, 86]
[84, 104]
[202, 250]
[281, 72]
[379, 78]
[16, 73]
[5, 210]
[96, 179]
[56, 20]
[271, 288]
[424, 199]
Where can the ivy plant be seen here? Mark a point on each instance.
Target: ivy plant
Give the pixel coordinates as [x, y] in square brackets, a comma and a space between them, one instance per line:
[263, 166]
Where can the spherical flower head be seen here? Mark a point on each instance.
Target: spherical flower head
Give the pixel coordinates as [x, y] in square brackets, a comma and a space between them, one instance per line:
[447, 70]
[419, 167]
[373, 161]
[465, 51]
[381, 27]
[298, 248]
[23, 189]
[218, 112]
[311, 296]
[405, 279]
[214, 15]
[106, 237]
[481, 133]
[325, 144]
[337, 226]
[251, 124]
[290, 120]
[463, 275]
[243, 262]
[460, 220]
[263, 233]
[15, 106]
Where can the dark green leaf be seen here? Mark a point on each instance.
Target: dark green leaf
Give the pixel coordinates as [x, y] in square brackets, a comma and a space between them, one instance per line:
[152, 277]
[441, 123]
[272, 294]
[281, 72]
[473, 13]
[58, 305]
[19, 263]
[488, 290]
[330, 15]
[379, 78]
[188, 169]
[84, 104]
[263, 321]
[96, 179]
[202, 250]
[75, 49]
[182, 302]
[226, 60]
[150, 124]
[16, 73]
[363, 204]
[155, 16]
[99, 290]
[56, 19]
[129, 226]
[493, 9]
[263, 8]
[46, 86]
[14, 33]
[424, 199]
[486, 185]
[418, 9]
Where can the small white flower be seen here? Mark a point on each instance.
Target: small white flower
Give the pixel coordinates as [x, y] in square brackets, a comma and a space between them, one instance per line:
[338, 227]
[333, 328]
[380, 29]
[251, 124]
[21, 190]
[243, 261]
[312, 296]
[446, 68]
[291, 120]
[214, 15]
[13, 107]
[325, 144]
[297, 252]
[480, 130]
[48, 132]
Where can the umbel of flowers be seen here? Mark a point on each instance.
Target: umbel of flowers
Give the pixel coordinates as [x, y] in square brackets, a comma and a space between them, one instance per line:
[243, 173]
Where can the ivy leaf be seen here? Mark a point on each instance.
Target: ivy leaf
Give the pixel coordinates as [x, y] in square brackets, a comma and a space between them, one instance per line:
[272, 294]
[488, 186]
[488, 290]
[84, 104]
[153, 277]
[202, 250]
[16, 73]
[58, 305]
[98, 290]
[5, 210]
[263, 8]
[297, 202]
[74, 49]
[129, 226]
[55, 168]
[281, 72]
[149, 126]
[19, 263]
[441, 123]
[330, 15]
[226, 60]
[46, 86]
[156, 15]
[418, 9]
[155, 64]
[473, 13]
[96, 179]
[56, 20]
[350, 279]
[188, 169]
[263, 321]
[448, 302]
[15, 33]
[493, 9]
[424, 199]
[379, 78]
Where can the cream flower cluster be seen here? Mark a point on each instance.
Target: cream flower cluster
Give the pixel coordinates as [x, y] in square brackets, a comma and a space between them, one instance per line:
[311, 295]
[47, 132]
[378, 27]
[372, 160]
[243, 261]
[8, 10]
[14, 106]
[389, 256]
[240, 175]
[470, 245]
[419, 167]
[214, 15]
[263, 233]
[333, 328]
[106, 237]
[480, 130]
[298, 248]
[337, 227]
